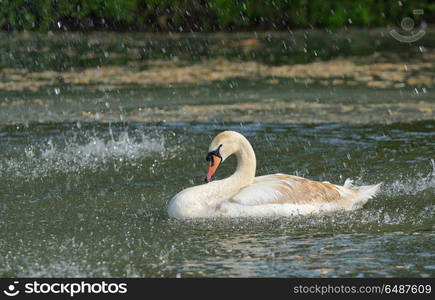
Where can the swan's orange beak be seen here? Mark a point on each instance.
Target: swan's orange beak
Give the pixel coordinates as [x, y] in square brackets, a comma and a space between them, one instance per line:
[213, 164]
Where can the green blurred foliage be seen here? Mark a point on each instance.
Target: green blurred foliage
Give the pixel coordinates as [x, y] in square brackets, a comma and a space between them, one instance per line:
[203, 15]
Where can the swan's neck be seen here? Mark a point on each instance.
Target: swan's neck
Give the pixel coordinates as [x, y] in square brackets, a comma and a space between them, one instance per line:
[243, 176]
[246, 165]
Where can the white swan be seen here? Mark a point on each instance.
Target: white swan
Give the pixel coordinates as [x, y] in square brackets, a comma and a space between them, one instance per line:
[244, 195]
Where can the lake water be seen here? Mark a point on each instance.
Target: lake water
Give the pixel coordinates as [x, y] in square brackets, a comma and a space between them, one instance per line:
[88, 163]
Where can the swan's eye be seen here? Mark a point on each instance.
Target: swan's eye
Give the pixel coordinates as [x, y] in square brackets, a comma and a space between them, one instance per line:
[216, 152]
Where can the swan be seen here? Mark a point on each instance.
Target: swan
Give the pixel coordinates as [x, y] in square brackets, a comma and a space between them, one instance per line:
[244, 195]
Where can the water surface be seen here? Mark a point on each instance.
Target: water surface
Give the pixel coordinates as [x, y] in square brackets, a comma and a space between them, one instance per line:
[90, 200]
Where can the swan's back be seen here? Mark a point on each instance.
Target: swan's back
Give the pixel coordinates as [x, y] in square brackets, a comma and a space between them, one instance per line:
[280, 194]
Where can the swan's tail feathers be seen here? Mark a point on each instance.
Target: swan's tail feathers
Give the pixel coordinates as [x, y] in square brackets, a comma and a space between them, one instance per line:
[365, 192]
[348, 183]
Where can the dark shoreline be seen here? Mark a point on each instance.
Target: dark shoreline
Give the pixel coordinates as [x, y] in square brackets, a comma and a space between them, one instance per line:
[207, 16]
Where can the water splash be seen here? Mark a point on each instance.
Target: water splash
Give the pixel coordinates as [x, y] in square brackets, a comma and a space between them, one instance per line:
[411, 185]
[71, 155]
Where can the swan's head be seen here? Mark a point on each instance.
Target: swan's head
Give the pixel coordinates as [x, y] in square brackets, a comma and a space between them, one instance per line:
[222, 146]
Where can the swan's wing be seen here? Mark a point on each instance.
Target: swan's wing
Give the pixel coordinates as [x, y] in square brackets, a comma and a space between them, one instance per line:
[281, 188]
